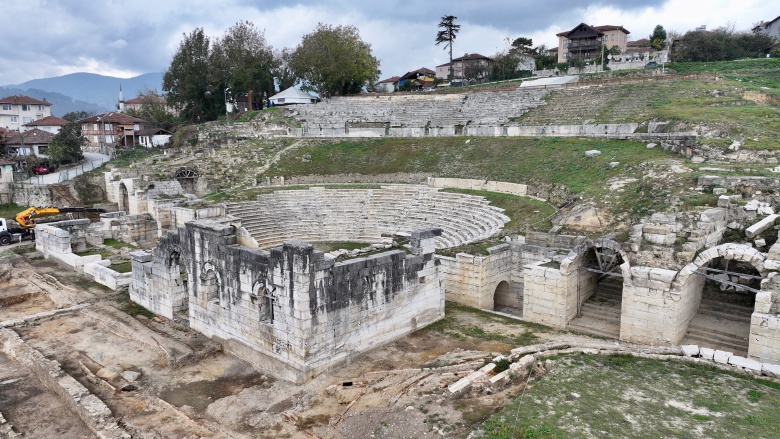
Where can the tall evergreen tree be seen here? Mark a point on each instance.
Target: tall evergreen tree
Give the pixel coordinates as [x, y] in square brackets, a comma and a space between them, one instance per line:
[447, 35]
[187, 81]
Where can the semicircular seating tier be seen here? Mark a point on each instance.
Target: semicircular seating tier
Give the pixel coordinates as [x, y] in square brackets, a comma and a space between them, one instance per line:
[421, 109]
[320, 214]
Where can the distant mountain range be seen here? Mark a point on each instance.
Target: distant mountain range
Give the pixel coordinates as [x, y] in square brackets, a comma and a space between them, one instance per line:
[84, 91]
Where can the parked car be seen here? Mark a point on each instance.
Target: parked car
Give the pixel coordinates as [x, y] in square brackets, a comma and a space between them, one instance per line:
[651, 64]
[40, 169]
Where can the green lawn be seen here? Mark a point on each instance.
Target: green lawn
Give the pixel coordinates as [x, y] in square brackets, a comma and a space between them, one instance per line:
[626, 397]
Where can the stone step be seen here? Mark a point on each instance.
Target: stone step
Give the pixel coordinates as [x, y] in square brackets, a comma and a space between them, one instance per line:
[718, 336]
[726, 307]
[725, 315]
[736, 348]
[610, 313]
[587, 325]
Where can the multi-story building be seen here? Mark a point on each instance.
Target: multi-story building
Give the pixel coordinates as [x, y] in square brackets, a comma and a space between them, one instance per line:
[15, 111]
[51, 124]
[111, 130]
[584, 41]
[468, 66]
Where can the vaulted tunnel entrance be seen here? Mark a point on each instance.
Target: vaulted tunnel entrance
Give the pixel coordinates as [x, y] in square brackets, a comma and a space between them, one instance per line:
[505, 301]
[728, 297]
[599, 293]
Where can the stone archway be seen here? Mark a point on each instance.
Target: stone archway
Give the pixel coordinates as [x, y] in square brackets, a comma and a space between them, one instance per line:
[210, 284]
[718, 291]
[504, 300]
[600, 266]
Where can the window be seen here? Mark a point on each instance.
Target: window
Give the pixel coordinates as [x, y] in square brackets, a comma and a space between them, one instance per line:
[95, 139]
[107, 127]
[14, 119]
[7, 107]
[280, 100]
[27, 119]
[613, 37]
[94, 127]
[84, 127]
[110, 138]
[41, 107]
[136, 127]
[26, 107]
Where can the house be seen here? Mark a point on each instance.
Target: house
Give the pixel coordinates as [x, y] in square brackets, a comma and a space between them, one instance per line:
[468, 66]
[51, 124]
[422, 78]
[388, 85]
[584, 41]
[292, 96]
[111, 129]
[771, 28]
[136, 103]
[151, 137]
[32, 142]
[16, 111]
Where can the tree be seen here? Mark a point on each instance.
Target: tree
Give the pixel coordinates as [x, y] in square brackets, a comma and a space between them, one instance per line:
[243, 61]
[187, 81]
[284, 74]
[154, 108]
[447, 36]
[722, 44]
[65, 146]
[658, 38]
[77, 115]
[333, 60]
[544, 59]
[522, 45]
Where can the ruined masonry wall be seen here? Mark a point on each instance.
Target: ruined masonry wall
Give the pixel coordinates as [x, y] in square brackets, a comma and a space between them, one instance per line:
[472, 280]
[323, 312]
[650, 313]
[95, 414]
[546, 299]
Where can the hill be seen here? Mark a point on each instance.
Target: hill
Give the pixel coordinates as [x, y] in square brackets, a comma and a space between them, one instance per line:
[98, 90]
[60, 104]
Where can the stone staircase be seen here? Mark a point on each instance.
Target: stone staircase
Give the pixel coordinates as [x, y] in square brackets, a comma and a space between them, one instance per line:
[722, 326]
[600, 314]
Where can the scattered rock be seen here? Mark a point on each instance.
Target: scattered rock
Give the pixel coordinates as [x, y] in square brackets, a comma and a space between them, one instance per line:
[613, 164]
[130, 375]
[592, 153]
[651, 145]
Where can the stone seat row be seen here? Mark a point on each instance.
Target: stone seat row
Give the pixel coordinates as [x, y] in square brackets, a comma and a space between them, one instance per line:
[393, 210]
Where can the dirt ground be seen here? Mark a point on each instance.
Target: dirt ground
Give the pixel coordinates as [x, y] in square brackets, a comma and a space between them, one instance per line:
[395, 391]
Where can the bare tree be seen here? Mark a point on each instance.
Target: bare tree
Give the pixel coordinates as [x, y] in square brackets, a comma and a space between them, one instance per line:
[447, 36]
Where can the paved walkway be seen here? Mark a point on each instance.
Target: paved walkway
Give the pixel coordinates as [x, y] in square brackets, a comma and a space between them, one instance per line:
[93, 160]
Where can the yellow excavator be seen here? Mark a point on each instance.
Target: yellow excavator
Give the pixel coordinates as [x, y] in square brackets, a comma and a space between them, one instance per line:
[27, 219]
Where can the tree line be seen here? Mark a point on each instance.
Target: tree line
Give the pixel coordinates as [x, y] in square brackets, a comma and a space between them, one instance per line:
[722, 44]
[205, 72]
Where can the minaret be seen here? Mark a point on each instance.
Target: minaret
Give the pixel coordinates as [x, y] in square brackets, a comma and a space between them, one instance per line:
[121, 105]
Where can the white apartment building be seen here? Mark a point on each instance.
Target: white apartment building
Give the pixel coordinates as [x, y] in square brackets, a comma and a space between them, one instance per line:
[15, 111]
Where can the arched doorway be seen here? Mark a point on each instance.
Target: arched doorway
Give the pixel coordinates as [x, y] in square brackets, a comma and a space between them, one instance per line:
[178, 280]
[187, 177]
[724, 288]
[505, 301]
[599, 289]
[209, 285]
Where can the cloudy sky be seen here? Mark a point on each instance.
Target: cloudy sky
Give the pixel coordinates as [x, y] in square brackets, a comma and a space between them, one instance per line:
[44, 38]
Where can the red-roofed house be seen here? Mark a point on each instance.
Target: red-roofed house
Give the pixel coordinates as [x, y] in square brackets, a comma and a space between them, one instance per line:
[136, 103]
[32, 142]
[51, 124]
[18, 110]
[111, 129]
[473, 64]
[388, 85]
[584, 41]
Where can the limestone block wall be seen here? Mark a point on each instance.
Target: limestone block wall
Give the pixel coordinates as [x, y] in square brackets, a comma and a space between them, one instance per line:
[139, 230]
[159, 287]
[106, 276]
[179, 215]
[472, 280]
[765, 322]
[160, 210]
[649, 313]
[547, 299]
[55, 243]
[583, 130]
[290, 310]
[479, 185]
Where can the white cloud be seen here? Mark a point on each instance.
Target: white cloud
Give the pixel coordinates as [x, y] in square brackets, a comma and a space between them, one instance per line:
[142, 37]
